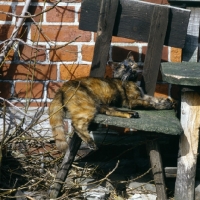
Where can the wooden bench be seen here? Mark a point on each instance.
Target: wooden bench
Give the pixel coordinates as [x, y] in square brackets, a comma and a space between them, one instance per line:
[187, 75]
[156, 24]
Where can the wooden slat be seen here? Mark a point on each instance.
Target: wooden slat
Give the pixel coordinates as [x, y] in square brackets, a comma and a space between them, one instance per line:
[159, 121]
[155, 47]
[190, 52]
[104, 34]
[157, 169]
[190, 115]
[134, 20]
[185, 73]
[62, 173]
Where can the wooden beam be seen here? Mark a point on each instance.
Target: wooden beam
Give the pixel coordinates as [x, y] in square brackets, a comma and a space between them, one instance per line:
[68, 159]
[130, 23]
[185, 73]
[157, 33]
[157, 169]
[190, 115]
[190, 52]
[104, 35]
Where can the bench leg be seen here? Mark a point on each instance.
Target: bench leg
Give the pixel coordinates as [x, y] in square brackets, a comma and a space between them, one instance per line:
[157, 169]
[62, 173]
[186, 171]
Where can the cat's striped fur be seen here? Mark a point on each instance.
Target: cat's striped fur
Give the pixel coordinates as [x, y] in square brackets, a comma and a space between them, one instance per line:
[83, 98]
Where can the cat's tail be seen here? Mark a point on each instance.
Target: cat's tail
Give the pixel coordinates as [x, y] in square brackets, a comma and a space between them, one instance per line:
[56, 114]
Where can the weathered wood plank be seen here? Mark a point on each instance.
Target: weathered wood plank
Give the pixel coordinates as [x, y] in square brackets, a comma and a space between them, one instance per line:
[104, 34]
[190, 115]
[157, 33]
[184, 1]
[130, 23]
[62, 173]
[151, 120]
[157, 169]
[186, 73]
[190, 52]
[170, 172]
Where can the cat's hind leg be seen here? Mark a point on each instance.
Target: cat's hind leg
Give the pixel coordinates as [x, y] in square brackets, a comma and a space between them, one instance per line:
[81, 128]
[82, 112]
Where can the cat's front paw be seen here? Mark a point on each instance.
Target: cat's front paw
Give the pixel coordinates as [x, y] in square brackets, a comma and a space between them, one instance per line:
[165, 104]
[134, 115]
[169, 103]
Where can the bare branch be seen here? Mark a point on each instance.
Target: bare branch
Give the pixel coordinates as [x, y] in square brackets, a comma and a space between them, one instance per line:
[40, 48]
[7, 47]
[33, 16]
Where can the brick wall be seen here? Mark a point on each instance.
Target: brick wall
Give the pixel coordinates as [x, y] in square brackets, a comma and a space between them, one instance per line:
[35, 73]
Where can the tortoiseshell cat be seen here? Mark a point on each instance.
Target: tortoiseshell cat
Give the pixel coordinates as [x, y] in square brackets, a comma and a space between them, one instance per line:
[83, 98]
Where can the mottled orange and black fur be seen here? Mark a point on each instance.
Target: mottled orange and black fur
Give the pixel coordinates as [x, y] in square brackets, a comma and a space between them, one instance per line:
[83, 98]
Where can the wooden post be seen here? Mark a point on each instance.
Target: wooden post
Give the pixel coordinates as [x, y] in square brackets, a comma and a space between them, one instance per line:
[106, 23]
[186, 172]
[190, 119]
[68, 159]
[157, 169]
[156, 39]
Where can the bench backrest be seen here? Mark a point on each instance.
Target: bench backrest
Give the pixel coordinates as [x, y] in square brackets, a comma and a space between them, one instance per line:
[156, 24]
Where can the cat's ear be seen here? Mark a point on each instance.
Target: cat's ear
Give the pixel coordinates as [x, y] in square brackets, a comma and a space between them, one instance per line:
[113, 65]
[130, 56]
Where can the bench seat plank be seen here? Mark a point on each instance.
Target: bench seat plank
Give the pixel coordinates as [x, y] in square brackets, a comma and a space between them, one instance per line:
[160, 121]
[185, 73]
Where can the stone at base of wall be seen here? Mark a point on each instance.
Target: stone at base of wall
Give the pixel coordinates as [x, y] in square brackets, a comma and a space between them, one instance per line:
[34, 121]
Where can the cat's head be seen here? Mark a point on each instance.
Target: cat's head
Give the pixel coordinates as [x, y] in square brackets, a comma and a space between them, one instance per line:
[125, 70]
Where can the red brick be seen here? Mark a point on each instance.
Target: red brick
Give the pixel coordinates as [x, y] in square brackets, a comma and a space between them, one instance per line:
[15, 0]
[108, 72]
[5, 90]
[53, 1]
[10, 55]
[28, 90]
[70, 72]
[6, 31]
[52, 89]
[79, 14]
[62, 33]
[116, 39]
[176, 54]
[161, 90]
[164, 53]
[67, 53]
[120, 53]
[61, 14]
[4, 17]
[157, 1]
[87, 52]
[28, 53]
[122, 40]
[33, 10]
[27, 72]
